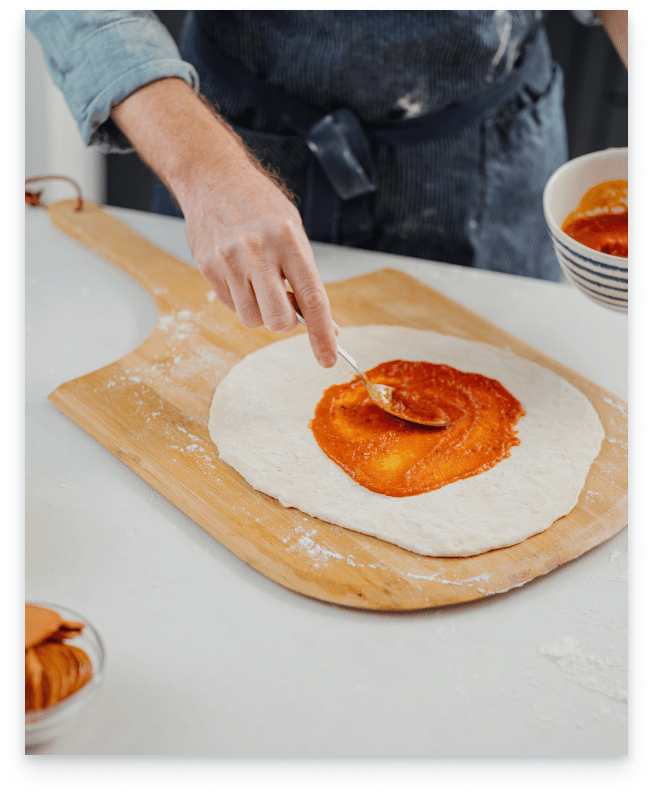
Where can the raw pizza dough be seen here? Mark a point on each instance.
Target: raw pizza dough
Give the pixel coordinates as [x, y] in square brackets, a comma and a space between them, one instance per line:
[262, 408]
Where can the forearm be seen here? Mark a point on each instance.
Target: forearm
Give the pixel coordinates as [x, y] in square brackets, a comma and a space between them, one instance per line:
[178, 136]
[616, 26]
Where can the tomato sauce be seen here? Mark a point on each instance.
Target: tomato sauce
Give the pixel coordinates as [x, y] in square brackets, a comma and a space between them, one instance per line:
[399, 458]
[600, 221]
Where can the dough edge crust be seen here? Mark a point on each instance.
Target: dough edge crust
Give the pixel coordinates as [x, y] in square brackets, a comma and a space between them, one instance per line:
[259, 422]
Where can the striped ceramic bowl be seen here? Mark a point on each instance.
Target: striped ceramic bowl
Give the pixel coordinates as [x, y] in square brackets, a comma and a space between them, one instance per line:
[602, 277]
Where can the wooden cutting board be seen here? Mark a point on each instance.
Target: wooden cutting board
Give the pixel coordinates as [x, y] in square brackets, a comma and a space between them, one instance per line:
[151, 409]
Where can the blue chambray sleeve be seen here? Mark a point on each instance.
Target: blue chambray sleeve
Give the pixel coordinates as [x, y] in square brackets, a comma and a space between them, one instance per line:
[97, 58]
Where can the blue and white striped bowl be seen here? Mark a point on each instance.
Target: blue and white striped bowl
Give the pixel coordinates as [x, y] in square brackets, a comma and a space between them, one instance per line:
[602, 277]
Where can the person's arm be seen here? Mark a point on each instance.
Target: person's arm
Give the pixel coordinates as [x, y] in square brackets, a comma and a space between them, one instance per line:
[616, 26]
[97, 58]
[124, 66]
[245, 234]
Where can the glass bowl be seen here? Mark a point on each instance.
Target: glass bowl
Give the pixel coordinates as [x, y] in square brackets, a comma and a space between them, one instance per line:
[602, 277]
[44, 725]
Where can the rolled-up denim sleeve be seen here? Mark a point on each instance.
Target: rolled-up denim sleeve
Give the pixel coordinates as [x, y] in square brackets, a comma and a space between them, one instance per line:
[97, 58]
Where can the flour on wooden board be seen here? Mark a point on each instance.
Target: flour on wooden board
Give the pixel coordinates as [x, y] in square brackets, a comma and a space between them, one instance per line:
[259, 422]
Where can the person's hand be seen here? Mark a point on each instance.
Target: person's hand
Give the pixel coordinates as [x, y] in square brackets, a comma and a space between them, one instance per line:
[245, 234]
[246, 238]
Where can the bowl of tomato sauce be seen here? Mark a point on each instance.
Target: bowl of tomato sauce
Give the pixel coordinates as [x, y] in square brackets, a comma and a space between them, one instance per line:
[586, 211]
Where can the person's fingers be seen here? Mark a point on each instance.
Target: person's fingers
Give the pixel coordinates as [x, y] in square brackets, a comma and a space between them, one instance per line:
[300, 270]
[244, 298]
[256, 285]
[314, 303]
[248, 272]
[234, 261]
[213, 268]
[316, 311]
[221, 289]
[272, 300]
[336, 327]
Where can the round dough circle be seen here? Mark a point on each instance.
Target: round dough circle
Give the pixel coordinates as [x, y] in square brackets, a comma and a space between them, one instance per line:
[259, 422]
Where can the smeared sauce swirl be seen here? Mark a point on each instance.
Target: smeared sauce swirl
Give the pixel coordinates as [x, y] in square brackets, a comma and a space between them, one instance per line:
[600, 221]
[399, 458]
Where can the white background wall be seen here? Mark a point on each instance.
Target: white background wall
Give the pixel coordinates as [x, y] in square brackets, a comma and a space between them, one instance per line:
[53, 144]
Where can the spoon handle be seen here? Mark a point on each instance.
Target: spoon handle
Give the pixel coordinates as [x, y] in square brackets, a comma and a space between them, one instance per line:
[348, 358]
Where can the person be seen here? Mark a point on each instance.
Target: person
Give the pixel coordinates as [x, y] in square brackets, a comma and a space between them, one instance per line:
[422, 133]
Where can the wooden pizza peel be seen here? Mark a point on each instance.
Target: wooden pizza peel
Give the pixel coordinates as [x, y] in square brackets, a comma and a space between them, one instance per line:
[151, 410]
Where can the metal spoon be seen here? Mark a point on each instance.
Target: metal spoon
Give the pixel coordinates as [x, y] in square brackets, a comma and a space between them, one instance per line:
[381, 395]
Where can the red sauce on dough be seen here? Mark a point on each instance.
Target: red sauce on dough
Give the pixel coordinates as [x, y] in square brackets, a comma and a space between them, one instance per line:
[388, 455]
[600, 221]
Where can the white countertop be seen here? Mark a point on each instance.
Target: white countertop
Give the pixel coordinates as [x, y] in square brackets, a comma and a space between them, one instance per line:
[207, 657]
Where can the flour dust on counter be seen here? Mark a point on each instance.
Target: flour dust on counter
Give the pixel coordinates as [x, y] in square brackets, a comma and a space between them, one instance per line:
[260, 419]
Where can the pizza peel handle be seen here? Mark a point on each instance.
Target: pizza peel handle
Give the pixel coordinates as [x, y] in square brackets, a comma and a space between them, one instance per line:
[381, 395]
[153, 268]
